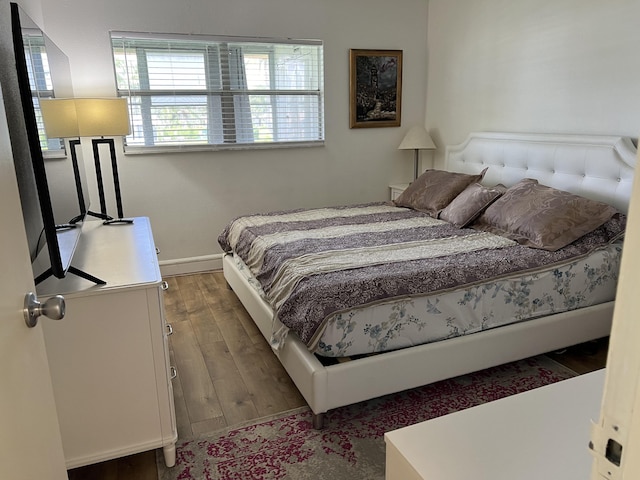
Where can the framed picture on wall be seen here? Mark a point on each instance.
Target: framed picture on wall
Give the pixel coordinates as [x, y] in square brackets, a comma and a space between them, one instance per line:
[375, 88]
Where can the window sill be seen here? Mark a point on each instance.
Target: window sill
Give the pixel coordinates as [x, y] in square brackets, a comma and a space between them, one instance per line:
[54, 154]
[129, 150]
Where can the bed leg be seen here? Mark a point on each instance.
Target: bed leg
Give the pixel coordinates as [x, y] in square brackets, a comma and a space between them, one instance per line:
[318, 421]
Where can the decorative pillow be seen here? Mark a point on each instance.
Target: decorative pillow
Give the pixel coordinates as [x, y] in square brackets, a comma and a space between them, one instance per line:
[543, 217]
[468, 206]
[434, 190]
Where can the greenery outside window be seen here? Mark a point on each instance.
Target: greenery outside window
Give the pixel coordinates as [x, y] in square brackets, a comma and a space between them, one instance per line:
[224, 92]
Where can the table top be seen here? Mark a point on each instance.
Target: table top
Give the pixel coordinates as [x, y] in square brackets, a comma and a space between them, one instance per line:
[122, 255]
[540, 434]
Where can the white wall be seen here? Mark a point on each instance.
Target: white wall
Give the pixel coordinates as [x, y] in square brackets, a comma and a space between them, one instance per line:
[567, 66]
[32, 8]
[191, 196]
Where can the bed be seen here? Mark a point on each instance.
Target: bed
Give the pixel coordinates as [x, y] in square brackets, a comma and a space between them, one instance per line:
[595, 167]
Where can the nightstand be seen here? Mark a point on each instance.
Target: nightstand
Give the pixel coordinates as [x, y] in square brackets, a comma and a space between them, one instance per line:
[396, 189]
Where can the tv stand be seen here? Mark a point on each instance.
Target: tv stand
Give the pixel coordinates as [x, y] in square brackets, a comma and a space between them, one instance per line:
[109, 356]
[85, 275]
[72, 270]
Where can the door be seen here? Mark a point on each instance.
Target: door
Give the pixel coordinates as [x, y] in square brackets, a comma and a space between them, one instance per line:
[30, 443]
[615, 437]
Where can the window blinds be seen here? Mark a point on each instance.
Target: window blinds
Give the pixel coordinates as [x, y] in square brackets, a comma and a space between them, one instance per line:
[39, 82]
[202, 90]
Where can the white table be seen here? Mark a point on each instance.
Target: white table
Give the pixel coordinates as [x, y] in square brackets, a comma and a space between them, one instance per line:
[540, 434]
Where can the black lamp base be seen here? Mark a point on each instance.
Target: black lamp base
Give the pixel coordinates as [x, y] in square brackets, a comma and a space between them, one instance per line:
[108, 220]
[116, 221]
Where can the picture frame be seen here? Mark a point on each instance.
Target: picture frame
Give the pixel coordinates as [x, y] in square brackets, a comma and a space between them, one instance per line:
[375, 88]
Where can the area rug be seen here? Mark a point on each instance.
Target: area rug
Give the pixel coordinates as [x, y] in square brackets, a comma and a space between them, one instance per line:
[352, 446]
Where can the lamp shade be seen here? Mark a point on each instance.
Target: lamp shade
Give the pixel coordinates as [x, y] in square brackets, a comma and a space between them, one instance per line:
[85, 117]
[102, 117]
[417, 138]
[59, 117]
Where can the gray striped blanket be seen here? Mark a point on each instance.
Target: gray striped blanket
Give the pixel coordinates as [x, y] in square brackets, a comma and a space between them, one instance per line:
[316, 262]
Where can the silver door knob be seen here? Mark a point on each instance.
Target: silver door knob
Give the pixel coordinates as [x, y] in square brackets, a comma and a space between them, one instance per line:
[53, 308]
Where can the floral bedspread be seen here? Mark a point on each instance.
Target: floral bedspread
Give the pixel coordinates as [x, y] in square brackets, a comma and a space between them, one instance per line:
[413, 321]
[315, 265]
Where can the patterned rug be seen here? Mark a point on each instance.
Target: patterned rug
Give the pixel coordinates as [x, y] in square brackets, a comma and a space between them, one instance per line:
[352, 446]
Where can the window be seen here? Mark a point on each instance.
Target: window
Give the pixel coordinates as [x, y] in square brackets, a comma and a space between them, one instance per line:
[39, 82]
[224, 92]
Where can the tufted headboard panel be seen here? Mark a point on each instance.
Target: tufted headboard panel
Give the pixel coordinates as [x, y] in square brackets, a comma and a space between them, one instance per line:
[593, 166]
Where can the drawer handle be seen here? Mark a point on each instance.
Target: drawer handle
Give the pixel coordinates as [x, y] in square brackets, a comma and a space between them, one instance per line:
[165, 285]
[169, 329]
[174, 372]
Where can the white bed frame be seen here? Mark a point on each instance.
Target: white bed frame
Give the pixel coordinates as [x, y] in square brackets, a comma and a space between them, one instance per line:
[598, 167]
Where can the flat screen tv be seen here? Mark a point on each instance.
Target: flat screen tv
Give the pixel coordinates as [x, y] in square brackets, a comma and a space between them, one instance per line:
[55, 229]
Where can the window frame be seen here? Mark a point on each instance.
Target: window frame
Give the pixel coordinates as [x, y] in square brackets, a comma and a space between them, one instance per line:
[118, 41]
[39, 80]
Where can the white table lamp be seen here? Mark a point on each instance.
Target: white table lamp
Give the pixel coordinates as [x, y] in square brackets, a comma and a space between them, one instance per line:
[417, 139]
[104, 117]
[90, 117]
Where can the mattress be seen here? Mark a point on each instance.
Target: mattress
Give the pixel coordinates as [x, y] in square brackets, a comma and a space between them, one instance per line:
[414, 318]
[409, 321]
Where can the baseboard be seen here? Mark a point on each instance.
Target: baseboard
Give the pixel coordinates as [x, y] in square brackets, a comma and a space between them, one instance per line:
[184, 266]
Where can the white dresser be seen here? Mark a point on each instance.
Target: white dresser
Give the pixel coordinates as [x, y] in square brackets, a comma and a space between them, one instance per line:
[542, 434]
[109, 356]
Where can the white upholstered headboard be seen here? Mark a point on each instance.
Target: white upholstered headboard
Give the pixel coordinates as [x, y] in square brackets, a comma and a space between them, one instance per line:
[594, 166]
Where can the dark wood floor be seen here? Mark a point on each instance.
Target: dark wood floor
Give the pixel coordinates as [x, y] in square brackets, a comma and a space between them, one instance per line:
[227, 373]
